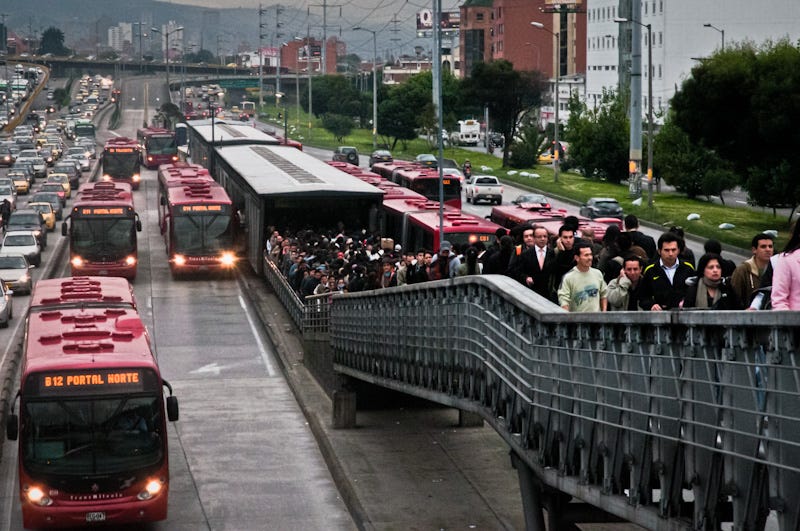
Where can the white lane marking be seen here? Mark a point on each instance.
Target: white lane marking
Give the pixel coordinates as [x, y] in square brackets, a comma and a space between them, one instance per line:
[261, 349]
[114, 133]
[10, 488]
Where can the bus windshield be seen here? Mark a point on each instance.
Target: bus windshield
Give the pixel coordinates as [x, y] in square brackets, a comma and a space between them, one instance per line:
[109, 238]
[200, 234]
[430, 188]
[121, 163]
[84, 130]
[161, 145]
[107, 435]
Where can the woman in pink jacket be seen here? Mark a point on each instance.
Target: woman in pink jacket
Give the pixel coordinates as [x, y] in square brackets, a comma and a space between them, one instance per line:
[786, 277]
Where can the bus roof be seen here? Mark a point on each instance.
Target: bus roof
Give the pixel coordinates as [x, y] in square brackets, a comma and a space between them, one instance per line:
[101, 192]
[154, 131]
[82, 291]
[285, 171]
[198, 192]
[230, 133]
[75, 338]
[121, 142]
[454, 221]
[182, 173]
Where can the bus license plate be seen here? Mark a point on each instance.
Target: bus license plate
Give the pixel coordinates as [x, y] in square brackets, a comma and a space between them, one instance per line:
[103, 272]
[96, 517]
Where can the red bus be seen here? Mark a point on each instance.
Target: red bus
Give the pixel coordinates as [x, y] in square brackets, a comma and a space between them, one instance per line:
[121, 161]
[509, 216]
[197, 219]
[92, 410]
[386, 169]
[102, 231]
[426, 182]
[414, 222]
[157, 146]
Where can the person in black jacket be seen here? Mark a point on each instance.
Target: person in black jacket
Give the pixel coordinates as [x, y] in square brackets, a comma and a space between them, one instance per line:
[535, 266]
[639, 238]
[710, 289]
[664, 280]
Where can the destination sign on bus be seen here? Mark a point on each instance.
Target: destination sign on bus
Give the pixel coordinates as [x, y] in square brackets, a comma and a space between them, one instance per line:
[102, 211]
[72, 382]
[185, 209]
[120, 150]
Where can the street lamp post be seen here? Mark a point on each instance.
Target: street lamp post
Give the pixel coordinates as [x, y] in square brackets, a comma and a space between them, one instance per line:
[649, 106]
[557, 146]
[374, 85]
[166, 51]
[722, 32]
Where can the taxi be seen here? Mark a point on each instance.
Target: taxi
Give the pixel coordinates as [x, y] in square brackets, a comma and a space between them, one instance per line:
[63, 180]
[21, 181]
[46, 210]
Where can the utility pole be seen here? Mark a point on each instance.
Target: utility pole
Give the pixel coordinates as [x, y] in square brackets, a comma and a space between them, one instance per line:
[5, 55]
[278, 36]
[325, 7]
[261, 12]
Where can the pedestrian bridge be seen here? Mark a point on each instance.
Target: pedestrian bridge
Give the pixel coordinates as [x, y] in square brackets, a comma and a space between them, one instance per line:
[673, 420]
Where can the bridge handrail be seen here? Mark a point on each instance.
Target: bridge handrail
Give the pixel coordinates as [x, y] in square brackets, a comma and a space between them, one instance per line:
[628, 402]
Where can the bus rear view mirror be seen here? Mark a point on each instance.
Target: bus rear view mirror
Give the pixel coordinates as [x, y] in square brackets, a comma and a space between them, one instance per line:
[12, 427]
[63, 229]
[138, 225]
[172, 408]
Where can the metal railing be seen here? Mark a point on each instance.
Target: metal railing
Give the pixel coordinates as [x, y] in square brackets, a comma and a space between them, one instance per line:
[670, 419]
[311, 315]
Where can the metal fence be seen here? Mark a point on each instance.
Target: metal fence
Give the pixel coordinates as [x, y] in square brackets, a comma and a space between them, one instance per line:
[671, 419]
[311, 315]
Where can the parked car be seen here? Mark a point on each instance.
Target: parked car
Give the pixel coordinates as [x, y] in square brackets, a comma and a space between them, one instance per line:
[380, 155]
[601, 207]
[15, 272]
[346, 154]
[22, 242]
[29, 219]
[533, 201]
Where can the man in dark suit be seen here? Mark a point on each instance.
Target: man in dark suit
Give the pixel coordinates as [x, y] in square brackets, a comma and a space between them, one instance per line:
[537, 263]
[639, 238]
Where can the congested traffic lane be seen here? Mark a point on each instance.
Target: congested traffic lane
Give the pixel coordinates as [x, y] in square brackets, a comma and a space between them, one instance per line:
[242, 455]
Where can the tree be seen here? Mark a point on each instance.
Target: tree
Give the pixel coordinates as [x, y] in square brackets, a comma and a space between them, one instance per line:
[396, 120]
[690, 168]
[508, 94]
[742, 104]
[338, 125]
[525, 150]
[53, 42]
[203, 56]
[599, 138]
[333, 94]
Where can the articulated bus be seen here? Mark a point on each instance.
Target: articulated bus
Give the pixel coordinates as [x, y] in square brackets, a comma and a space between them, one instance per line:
[102, 231]
[121, 161]
[197, 220]
[92, 410]
[426, 182]
[157, 146]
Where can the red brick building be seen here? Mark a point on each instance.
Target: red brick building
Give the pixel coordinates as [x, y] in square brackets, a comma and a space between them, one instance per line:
[298, 55]
[501, 29]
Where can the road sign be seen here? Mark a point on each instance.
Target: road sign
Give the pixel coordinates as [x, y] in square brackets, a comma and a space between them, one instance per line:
[239, 83]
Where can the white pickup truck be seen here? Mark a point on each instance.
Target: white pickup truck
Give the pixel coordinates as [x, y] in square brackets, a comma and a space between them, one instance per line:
[484, 188]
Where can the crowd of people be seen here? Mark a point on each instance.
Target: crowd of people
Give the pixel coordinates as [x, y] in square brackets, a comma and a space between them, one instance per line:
[627, 271]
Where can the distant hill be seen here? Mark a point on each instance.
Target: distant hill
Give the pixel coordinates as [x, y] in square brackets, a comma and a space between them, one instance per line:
[82, 20]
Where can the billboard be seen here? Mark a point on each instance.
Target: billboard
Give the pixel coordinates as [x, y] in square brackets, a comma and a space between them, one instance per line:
[314, 49]
[450, 20]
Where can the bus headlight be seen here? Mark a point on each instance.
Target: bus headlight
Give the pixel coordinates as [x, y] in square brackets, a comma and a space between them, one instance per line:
[152, 488]
[174, 158]
[37, 497]
[77, 261]
[179, 260]
[136, 177]
[227, 259]
[130, 260]
[106, 177]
